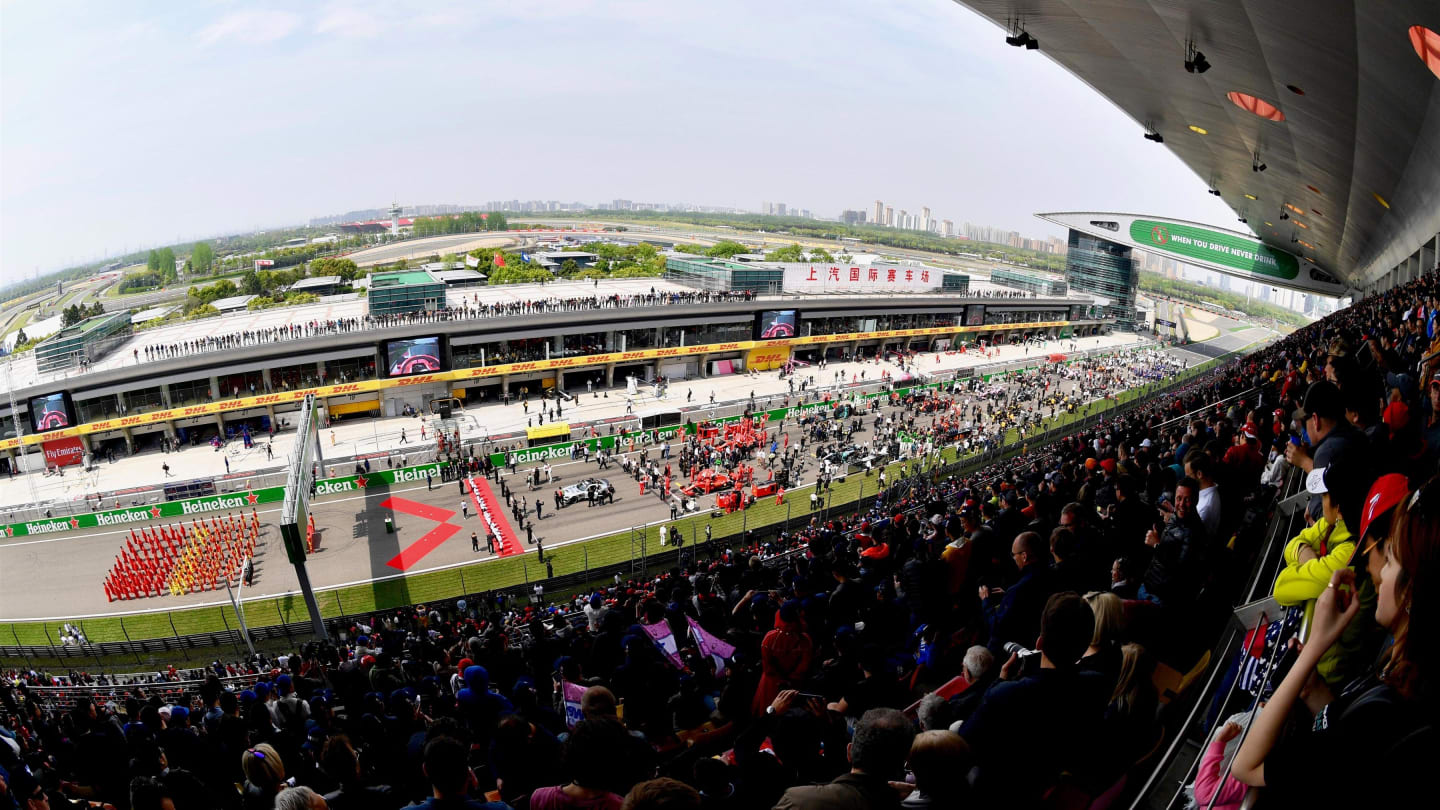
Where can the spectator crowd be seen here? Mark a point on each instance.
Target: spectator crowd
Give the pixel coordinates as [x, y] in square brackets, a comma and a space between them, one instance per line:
[1001, 637]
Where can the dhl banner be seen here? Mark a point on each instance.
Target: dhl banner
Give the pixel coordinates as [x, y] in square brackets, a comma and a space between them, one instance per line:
[320, 392]
[766, 359]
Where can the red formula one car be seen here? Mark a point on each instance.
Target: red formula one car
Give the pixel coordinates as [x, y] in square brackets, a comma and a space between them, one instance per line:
[52, 420]
[778, 329]
[415, 363]
[706, 482]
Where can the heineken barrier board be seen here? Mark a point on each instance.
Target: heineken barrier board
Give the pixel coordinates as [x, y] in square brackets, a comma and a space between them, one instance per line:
[198, 507]
[461, 375]
[1236, 254]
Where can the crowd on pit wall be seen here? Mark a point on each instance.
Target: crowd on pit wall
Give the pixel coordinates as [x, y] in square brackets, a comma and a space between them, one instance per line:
[469, 309]
[1057, 586]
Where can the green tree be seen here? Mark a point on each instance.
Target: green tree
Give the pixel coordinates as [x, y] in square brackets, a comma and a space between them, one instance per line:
[789, 253]
[20, 337]
[202, 257]
[346, 269]
[71, 316]
[152, 260]
[250, 283]
[820, 255]
[97, 309]
[165, 257]
[569, 267]
[726, 248]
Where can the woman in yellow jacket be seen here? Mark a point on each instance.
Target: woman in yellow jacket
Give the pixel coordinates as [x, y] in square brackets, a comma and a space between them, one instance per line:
[1321, 550]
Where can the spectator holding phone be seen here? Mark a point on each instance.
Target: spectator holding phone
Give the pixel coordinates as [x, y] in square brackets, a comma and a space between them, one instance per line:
[1384, 723]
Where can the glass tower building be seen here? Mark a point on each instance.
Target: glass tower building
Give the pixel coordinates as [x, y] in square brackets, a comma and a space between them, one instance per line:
[1101, 267]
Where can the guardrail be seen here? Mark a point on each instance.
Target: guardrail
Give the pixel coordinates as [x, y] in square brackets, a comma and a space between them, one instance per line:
[1103, 410]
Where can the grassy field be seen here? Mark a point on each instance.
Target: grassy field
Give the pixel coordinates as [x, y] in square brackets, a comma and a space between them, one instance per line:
[511, 571]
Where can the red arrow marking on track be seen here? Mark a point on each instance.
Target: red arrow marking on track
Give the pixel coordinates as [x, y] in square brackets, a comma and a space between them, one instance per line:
[428, 542]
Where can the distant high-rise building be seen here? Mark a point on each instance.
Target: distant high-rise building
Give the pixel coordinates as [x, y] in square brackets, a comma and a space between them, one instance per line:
[925, 218]
[850, 217]
[779, 209]
[889, 220]
[767, 208]
[902, 221]
[947, 228]
[878, 215]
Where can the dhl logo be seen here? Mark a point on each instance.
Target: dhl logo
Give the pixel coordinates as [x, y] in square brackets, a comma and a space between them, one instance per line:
[104, 425]
[563, 362]
[131, 420]
[524, 366]
[421, 380]
[194, 410]
[721, 347]
[267, 399]
[348, 388]
[666, 352]
[631, 355]
[233, 404]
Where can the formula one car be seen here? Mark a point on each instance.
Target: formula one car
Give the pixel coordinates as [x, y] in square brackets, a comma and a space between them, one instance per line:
[580, 490]
[706, 482]
[415, 363]
[52, 420]
[778, 329]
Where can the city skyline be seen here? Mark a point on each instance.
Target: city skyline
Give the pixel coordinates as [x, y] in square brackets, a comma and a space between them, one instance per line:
[146, 123]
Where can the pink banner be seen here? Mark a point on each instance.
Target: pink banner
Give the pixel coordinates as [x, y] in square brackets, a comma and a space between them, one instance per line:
[572, 693]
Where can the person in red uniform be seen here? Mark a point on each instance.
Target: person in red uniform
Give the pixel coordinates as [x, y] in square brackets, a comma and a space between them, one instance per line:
[785, 656]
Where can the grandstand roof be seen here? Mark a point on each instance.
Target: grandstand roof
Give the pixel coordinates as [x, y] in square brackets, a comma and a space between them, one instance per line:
[1332, 96]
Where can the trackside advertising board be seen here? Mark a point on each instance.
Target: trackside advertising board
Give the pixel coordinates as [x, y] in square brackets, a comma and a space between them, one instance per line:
[200, 507]
[1236, 254]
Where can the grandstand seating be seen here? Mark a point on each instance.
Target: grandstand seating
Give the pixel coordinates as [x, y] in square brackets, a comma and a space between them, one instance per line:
[799, 643]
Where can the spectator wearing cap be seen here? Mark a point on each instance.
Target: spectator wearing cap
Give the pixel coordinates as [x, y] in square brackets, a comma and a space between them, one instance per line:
[786, 654]
[1028, 729]
[1332, 440]
[1325, 546]
[877, 754]
[1348, 658]
[1244, 458]
[1385, 724]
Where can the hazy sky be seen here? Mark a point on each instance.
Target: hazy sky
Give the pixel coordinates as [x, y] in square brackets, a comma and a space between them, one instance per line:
[129, 124]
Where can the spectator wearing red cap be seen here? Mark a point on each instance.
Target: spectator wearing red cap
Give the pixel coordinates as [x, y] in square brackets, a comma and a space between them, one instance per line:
[1385, 723]
[785, 656]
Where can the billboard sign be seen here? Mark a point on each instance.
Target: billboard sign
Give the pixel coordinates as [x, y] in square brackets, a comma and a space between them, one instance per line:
[832, 278]
[1236, 254]
[63, 452]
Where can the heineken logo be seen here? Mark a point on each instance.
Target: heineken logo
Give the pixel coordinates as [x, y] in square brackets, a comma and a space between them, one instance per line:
[214, 504]
[332, 487]
[123, 516]
[47, 526]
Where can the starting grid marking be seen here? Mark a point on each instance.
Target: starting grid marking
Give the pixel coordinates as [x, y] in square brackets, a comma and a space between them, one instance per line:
[428, 542]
